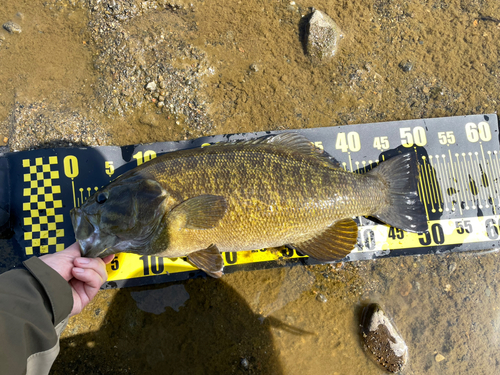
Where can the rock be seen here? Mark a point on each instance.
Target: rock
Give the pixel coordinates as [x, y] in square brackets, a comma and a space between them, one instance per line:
[151, 86]
[322, 37]
[439, 357]
[321, 298]
[244, 363]
[12, 27]
[452, 267]
[406, 66]
[382, 341]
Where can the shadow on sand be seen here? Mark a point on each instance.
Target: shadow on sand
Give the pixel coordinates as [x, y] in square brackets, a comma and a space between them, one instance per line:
[214, 331]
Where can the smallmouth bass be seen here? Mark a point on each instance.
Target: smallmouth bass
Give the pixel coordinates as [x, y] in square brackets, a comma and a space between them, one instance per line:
[263, 193]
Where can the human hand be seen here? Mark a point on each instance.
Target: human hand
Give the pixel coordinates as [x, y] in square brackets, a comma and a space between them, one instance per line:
[84, 275]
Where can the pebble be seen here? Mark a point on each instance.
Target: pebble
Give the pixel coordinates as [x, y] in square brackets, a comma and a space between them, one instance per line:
[12, 27]
[439, 357]
[254, 68]
[382, 341]
[244, 363]
[151, 86]
[321, 298]
[406, 66]
[452, 267]
[322, 38]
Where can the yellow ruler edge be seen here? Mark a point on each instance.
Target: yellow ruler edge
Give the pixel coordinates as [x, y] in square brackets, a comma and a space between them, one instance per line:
[372, 239]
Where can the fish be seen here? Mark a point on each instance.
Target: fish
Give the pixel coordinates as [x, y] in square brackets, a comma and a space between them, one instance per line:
[261, 193]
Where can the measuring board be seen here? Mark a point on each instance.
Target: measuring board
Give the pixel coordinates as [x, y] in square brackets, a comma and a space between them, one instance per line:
[459, 186]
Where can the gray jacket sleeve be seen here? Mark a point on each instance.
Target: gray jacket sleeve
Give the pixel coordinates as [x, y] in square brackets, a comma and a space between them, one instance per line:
[34, 307]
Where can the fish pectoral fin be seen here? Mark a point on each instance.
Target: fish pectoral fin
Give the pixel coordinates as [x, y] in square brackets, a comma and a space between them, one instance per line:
[202, 212]
[208, 260]
[334, 243]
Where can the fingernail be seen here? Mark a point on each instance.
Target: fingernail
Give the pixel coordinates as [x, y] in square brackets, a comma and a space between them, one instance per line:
[84, 261]
[78, 270]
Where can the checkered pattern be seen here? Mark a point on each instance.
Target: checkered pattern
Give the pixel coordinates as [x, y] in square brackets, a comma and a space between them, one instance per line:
[42, 222]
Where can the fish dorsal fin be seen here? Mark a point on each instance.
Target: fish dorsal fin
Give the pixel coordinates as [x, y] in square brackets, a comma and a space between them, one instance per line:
[208, 260]
[292, 141]
[334, 243]
[201, 212]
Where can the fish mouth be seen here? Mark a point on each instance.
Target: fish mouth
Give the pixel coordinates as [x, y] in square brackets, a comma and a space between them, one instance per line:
[87, 234]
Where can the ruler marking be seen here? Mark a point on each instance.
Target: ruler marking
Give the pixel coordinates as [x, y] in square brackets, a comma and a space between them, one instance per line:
[455, 181]
[434, 184]
[475, 167]
[426, 185]
[432, 187]
[447, 182]
[422, 197]
[497, 168]
[485, 180]
[490, 182]
[462, 184]
[467, 169]
[442, 184]
[481, 192]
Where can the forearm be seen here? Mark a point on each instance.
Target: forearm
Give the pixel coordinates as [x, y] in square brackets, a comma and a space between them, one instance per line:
[34, 305]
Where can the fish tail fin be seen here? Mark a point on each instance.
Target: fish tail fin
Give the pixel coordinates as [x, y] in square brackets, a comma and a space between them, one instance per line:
[405, 210]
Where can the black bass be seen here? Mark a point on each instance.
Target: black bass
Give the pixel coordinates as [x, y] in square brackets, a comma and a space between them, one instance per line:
[264, 193]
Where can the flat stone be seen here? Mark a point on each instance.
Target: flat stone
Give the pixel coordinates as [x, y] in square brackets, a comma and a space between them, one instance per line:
[382, 341]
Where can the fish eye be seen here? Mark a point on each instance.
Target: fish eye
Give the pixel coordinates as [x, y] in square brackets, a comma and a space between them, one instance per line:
[101, 197]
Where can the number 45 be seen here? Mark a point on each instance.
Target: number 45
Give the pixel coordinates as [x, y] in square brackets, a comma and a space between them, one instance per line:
[381, 143]
[446, 138]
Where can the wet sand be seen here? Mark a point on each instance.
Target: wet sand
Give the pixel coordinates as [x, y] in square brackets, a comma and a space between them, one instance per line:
[240, 67]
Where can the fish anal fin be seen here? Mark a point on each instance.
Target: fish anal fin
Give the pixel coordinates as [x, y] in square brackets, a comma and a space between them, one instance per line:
[201, 212]
[334, 243]
[208, 260]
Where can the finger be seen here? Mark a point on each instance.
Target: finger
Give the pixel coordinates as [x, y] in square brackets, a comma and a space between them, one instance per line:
[72, 251]
[89, 277]
[108, 259]
[95, 264]
[62, 261]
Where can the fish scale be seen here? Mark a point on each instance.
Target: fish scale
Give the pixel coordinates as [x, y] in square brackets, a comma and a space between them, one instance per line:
[266, 204]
